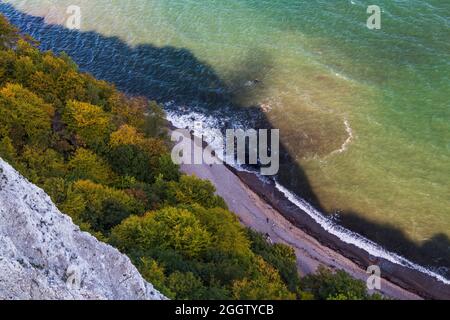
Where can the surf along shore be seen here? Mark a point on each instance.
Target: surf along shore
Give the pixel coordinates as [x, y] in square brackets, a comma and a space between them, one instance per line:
[261, 206]
[415, 281]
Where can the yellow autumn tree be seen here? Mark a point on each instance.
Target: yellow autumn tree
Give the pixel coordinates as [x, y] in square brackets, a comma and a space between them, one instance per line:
[8, 34]
[99, 207]
[87, 165]
[7, 150]
[89, 123]
[42, 164]
[264, 284]
[168, 228]
[25, 117]
[129, 110]
[126, 135]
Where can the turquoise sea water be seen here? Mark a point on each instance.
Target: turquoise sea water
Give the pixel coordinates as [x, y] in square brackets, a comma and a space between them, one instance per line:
[364, 113]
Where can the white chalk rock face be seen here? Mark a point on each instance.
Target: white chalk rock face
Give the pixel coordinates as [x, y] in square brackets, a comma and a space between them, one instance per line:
[43, 255]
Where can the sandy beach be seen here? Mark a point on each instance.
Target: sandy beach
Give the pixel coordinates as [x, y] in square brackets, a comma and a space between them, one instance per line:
[257, 214]
[253, 212]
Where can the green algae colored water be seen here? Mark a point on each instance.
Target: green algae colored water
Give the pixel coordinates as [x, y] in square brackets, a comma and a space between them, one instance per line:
[365, 113]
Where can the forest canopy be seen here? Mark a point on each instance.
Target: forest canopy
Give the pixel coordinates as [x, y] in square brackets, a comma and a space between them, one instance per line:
[103, 157]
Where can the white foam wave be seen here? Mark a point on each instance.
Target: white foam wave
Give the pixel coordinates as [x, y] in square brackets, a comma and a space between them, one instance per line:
[212, 123]
[347, 142]
[209, 131]
[354, 238]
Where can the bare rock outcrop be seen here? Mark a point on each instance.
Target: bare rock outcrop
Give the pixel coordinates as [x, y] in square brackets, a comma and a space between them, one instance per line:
[43, 255]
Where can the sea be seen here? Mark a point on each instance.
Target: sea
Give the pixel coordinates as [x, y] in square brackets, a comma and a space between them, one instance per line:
[363, 113]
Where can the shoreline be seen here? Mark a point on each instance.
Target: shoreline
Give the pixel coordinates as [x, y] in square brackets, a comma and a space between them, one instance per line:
[414, 281]
[265, 208]
[256, 203]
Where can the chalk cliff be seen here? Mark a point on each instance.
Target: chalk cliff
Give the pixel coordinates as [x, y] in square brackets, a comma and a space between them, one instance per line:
[43, 255]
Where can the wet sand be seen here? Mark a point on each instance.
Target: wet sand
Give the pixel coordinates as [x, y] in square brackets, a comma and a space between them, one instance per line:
[253, 212]
[256, 213]
[262, 208]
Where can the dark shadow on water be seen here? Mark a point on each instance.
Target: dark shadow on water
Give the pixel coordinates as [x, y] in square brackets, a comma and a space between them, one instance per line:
[165, 74]
[173, 74]
[433, 252]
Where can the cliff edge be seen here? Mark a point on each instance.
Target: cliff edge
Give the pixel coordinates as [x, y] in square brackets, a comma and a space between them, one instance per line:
[43, 255]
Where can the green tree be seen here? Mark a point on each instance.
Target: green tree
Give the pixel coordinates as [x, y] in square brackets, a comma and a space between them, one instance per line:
[280, 256]
[126, 135]
[23, 69]
[168, 170]
[131, 160]
[98, 206]
[7, 60]
[186, 286]
[264, 284]
[131, 110]
[8, 34]
[86, 165]
[192, 190]
[155, 121]
[326, 285]
[168, 228]
[56, 188]
[155, 274]
[42, 164]
[7, 150]
[228, 234]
